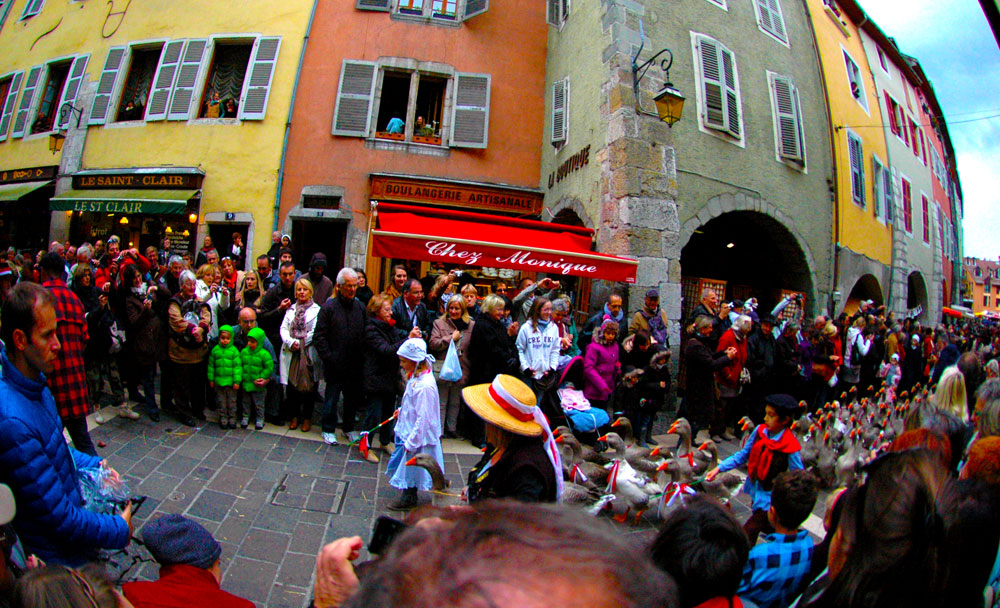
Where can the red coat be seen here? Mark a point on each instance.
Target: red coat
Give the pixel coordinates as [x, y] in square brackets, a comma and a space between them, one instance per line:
[68, 380]
[182, 586]
[730, 374]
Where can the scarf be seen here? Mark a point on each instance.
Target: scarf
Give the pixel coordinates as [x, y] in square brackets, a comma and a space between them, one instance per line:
[298, 329]
[459, 324]
[230, 283]
[617, 319]
[764, 448]
[656, 326]
[541, 325]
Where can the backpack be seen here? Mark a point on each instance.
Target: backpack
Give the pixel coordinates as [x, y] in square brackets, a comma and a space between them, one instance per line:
[191, 311]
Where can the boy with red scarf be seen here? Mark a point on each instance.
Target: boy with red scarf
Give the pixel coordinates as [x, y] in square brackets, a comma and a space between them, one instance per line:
[770, 450]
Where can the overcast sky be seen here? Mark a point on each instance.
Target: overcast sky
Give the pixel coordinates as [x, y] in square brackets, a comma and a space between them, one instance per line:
[957, 50]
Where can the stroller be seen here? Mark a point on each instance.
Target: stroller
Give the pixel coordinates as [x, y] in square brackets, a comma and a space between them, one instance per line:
[588, 423]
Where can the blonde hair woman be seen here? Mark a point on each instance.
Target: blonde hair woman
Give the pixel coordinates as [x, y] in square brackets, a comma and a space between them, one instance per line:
[297, 330]
[453, 327]
[209, 291]
[950, 394]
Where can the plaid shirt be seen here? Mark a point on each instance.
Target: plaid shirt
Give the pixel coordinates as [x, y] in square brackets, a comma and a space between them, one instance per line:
[777, 570]
[68, 380]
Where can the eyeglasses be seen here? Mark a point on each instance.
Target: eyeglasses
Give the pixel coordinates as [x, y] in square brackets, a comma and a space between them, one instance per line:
[88, 590]
[504, 290]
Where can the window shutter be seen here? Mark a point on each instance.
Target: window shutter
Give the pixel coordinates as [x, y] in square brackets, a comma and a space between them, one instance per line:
[470, 115]
[893, 126]
[27, 98]
[187, 78]
[553, 14]
[354, 99]
[907, 205]
[32, 8]
[789, 122]
[857, 169]
[770, 19]
[102, 99]
[711, 75]
[474, 8]
[877, 187]
[163, 82]
[7, 104]
[258, 85]
[373, 5]
[732, 92]
[560, 104]
[72, 89]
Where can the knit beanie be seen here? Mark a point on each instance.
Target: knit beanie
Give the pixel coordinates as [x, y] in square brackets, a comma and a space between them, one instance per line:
[175, 539]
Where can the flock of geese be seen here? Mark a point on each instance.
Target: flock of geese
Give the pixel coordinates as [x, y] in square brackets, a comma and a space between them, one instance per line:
[835, 441]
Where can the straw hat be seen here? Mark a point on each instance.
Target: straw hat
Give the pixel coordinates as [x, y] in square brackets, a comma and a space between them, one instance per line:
[507, 403]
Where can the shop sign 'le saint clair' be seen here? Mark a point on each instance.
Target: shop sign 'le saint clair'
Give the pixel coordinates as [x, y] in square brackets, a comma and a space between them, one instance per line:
[130, 181]
[449, 252]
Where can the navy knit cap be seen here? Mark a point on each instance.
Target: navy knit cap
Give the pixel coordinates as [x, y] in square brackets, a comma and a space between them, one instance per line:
[785, 405]
[175, 539]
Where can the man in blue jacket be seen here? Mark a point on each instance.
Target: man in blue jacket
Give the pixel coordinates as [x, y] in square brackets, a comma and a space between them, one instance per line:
[35, 461]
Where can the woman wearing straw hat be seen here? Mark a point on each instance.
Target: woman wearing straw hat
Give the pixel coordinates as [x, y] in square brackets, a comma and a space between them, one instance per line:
[521, 461]
[418, 425]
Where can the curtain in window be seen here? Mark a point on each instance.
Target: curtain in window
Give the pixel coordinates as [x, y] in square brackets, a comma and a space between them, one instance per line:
[229, 71]
[140, 79]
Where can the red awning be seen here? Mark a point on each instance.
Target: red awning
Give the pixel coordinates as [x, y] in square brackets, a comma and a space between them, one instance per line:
[477, 239]
[950, 312]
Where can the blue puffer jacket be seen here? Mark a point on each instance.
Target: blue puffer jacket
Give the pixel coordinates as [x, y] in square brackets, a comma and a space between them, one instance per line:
[41, 470]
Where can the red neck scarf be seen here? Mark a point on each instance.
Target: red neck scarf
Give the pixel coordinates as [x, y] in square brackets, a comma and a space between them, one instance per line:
[764, 448]
[722, 602]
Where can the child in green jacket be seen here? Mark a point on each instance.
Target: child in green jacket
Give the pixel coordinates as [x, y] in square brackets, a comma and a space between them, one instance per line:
[257, 369]
[225, 372]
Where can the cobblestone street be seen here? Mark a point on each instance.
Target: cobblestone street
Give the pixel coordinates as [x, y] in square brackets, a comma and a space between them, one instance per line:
[272, 498]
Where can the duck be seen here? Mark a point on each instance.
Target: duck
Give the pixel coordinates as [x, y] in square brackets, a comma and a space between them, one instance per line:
[592, 500]
[624, 426]
[848, 464]
[682, 428]
[440, 497]
[746, 427]
[723, 487]
[635, 460]
[706, 457]
[572, 453]
[631, 488]
[674, 488]
[826, 461]
[586, 452]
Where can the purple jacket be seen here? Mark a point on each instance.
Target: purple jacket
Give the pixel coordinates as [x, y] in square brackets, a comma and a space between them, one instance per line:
[601, 370]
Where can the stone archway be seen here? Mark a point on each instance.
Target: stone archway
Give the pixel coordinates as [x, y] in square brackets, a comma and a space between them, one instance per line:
[916, 295]
[569, 210]
[773, 248]
[865, 288]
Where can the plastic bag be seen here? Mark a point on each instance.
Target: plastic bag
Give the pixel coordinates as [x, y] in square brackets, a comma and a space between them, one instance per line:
[451, 371]
[103, 492]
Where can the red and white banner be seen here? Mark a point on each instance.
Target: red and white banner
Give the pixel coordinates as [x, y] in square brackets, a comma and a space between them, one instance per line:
[473, 239]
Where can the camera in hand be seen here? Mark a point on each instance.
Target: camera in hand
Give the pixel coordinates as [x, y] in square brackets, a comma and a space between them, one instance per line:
[385, 531]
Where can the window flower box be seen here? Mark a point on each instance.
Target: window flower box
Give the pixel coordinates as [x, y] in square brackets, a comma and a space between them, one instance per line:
[387, 135]
[427, 139]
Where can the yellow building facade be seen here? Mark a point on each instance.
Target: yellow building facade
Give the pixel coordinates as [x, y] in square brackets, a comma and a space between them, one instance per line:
[862, 222]
[174, 115]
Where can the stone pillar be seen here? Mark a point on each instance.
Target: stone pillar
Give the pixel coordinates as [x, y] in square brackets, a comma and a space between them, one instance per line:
[638, 174]
[71, 157]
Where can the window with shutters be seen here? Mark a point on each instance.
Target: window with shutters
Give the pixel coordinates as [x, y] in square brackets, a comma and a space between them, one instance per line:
[878, 190]
[770, 21]
[556, 12]
[560, 113]
[926, 217]
[907, 195]
[138, 83]
[940, 225]
[856, 158]
[51, 91]
[5, 90]
[428, 11]
[895, 116]
[32, 8]
[718, 89]
[411, 102]
[787, 113]
[855, 81]
[887, 192]
[881, 60]
[224, 85]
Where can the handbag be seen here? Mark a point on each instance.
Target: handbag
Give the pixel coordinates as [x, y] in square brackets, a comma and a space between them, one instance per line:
[451, 370]
[300, 376]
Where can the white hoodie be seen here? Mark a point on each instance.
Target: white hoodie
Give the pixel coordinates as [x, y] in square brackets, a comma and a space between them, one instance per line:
[538, 349]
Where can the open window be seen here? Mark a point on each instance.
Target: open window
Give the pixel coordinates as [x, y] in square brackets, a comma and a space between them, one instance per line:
[393, 106]
[856, 83]
[430, 10]
[138, 83]
[429, 109]
[224, 84]
[48, 106]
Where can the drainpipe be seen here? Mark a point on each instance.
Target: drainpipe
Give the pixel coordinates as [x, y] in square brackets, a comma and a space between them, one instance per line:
[288, 122]
[835, 253]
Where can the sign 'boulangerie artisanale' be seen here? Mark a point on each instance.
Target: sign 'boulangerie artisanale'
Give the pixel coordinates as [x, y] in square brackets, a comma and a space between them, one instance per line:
[453, 193]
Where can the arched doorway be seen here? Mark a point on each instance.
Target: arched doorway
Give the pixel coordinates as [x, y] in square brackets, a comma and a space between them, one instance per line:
[916, 295]
[579, 288]
[751, 253]
[866, 288]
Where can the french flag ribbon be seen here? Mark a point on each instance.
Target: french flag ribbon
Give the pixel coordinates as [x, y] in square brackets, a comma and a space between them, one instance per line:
[363, 444]
[613, 476]
[675, 491]
[690, 457]
[576, 475]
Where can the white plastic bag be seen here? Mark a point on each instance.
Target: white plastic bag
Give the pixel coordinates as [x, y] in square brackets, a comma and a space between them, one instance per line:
[451, 370]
